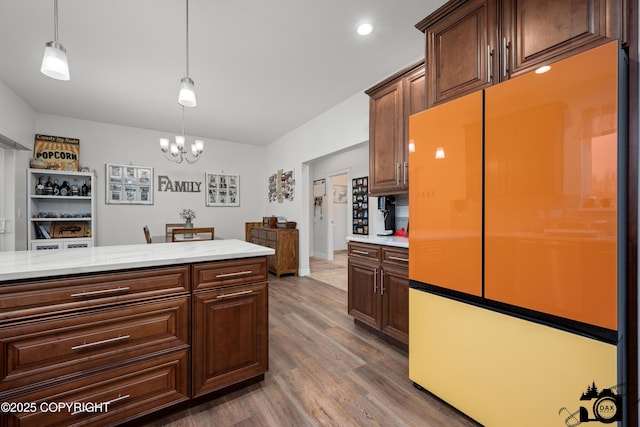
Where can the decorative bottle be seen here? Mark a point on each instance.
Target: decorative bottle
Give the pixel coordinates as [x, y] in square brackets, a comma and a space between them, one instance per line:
[64, 189]
[75, 190]
[56, 187]
[48, 187]
[39, 187]
[85, 189]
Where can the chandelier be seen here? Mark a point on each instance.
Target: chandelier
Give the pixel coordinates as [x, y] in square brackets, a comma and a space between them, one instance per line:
[176, 151]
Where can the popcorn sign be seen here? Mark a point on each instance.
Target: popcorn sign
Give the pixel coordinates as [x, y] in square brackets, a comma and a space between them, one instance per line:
[57, 152]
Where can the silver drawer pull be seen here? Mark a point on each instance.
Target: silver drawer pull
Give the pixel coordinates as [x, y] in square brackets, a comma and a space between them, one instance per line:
[100, 292]
[107, 341]
[117, 399]
[234, 294]
[239, 273]
[397, 258]
[355, 251]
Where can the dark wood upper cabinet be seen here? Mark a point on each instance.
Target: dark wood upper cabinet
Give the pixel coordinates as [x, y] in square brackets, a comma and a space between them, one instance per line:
[391, 102]
[472, 44]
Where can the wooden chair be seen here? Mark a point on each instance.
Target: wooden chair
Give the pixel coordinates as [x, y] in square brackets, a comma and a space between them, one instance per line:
[199, 233]
[147, 235]
[169, 227]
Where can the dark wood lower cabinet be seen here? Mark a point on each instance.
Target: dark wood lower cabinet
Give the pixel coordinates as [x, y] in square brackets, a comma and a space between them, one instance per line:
[229, 336]
[141, 341]
[378, 289]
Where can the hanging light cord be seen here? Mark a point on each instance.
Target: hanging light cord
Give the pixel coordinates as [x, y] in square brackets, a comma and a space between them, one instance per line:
[183, 120]
[187, 38]
[55, 20]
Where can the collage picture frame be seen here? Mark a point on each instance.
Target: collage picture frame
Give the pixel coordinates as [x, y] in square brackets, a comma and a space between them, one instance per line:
[223, 189]
[128, 184]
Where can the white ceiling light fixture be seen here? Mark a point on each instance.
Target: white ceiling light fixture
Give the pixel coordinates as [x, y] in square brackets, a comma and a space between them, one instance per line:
[54, 61]
[187, 95]
[364, 29]
[176, 151]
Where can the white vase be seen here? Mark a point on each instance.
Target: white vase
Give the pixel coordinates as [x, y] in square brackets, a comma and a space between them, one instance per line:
[188, 224]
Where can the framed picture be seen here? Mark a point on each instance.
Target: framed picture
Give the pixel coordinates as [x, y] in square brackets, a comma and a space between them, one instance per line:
[360, 203]
[67, 229]
[223, 189]
[128, 184]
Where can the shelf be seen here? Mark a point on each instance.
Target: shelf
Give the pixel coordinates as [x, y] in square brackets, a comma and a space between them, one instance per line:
[41, 196]
[84, 218]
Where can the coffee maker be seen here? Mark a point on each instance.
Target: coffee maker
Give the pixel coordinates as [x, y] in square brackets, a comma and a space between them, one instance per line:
[387, 206]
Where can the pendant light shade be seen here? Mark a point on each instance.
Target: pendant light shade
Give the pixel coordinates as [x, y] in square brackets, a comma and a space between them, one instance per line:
[54, 61]
[187, 95]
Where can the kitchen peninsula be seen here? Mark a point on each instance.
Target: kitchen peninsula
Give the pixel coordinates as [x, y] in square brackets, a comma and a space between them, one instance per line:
[129, 329]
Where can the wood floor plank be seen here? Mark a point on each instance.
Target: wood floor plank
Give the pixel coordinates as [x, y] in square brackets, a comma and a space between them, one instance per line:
[324, 370]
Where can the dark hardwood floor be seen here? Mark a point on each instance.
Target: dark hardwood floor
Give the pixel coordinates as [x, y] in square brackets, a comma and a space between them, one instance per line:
[323, 371]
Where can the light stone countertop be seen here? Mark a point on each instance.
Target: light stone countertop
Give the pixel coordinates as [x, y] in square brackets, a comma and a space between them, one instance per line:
[401, 242]
[34, 264]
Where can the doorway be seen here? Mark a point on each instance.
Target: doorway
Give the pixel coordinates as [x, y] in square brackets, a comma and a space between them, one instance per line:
[338, 202]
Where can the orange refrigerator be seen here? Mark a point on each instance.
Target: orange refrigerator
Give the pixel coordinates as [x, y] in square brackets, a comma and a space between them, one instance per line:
[516, 250]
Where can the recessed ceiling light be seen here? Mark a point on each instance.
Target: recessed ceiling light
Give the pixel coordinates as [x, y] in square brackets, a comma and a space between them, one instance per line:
[364, 29]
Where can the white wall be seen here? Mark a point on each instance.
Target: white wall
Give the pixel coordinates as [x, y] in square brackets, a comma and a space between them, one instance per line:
[355, 160]
[102, 143]
[341, 127]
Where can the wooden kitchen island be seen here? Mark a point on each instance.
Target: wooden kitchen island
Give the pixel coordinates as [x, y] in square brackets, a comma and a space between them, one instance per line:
[104, 335]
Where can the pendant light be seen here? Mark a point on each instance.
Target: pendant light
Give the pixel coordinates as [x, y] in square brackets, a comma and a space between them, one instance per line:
[54, 61]
[187, 95]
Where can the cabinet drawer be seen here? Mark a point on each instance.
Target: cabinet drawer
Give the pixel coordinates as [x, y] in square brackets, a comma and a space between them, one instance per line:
[363, 250]
[395, 256]
[72, 346]
[56, 295]
[129, 392]
[271, 235]
[222, 273]
[259, 233]
[46, 245]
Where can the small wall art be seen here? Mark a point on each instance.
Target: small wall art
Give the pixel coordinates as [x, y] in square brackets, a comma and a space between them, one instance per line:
[223, 189]
[360, 205]
[281, 186]
[128, 184]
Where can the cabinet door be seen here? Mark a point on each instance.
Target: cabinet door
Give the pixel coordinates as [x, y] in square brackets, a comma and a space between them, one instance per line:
[230, 336]
[394, 289]
[386, 139]
[364, 298]
[534, 31]
[460, 50]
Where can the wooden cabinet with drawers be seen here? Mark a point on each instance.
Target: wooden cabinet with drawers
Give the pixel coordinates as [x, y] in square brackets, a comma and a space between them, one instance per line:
[472, 44]
[98, 337]
[378, 289]
[134, 341]
[285, 242]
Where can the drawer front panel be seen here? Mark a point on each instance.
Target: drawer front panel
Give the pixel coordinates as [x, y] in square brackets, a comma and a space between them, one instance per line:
[48, 350]
[395, 256]
[29, 298]
[363, 250]
[222, 273]
[129, 392]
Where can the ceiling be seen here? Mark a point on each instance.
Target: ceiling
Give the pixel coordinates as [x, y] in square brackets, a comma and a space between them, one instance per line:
[261, 67]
